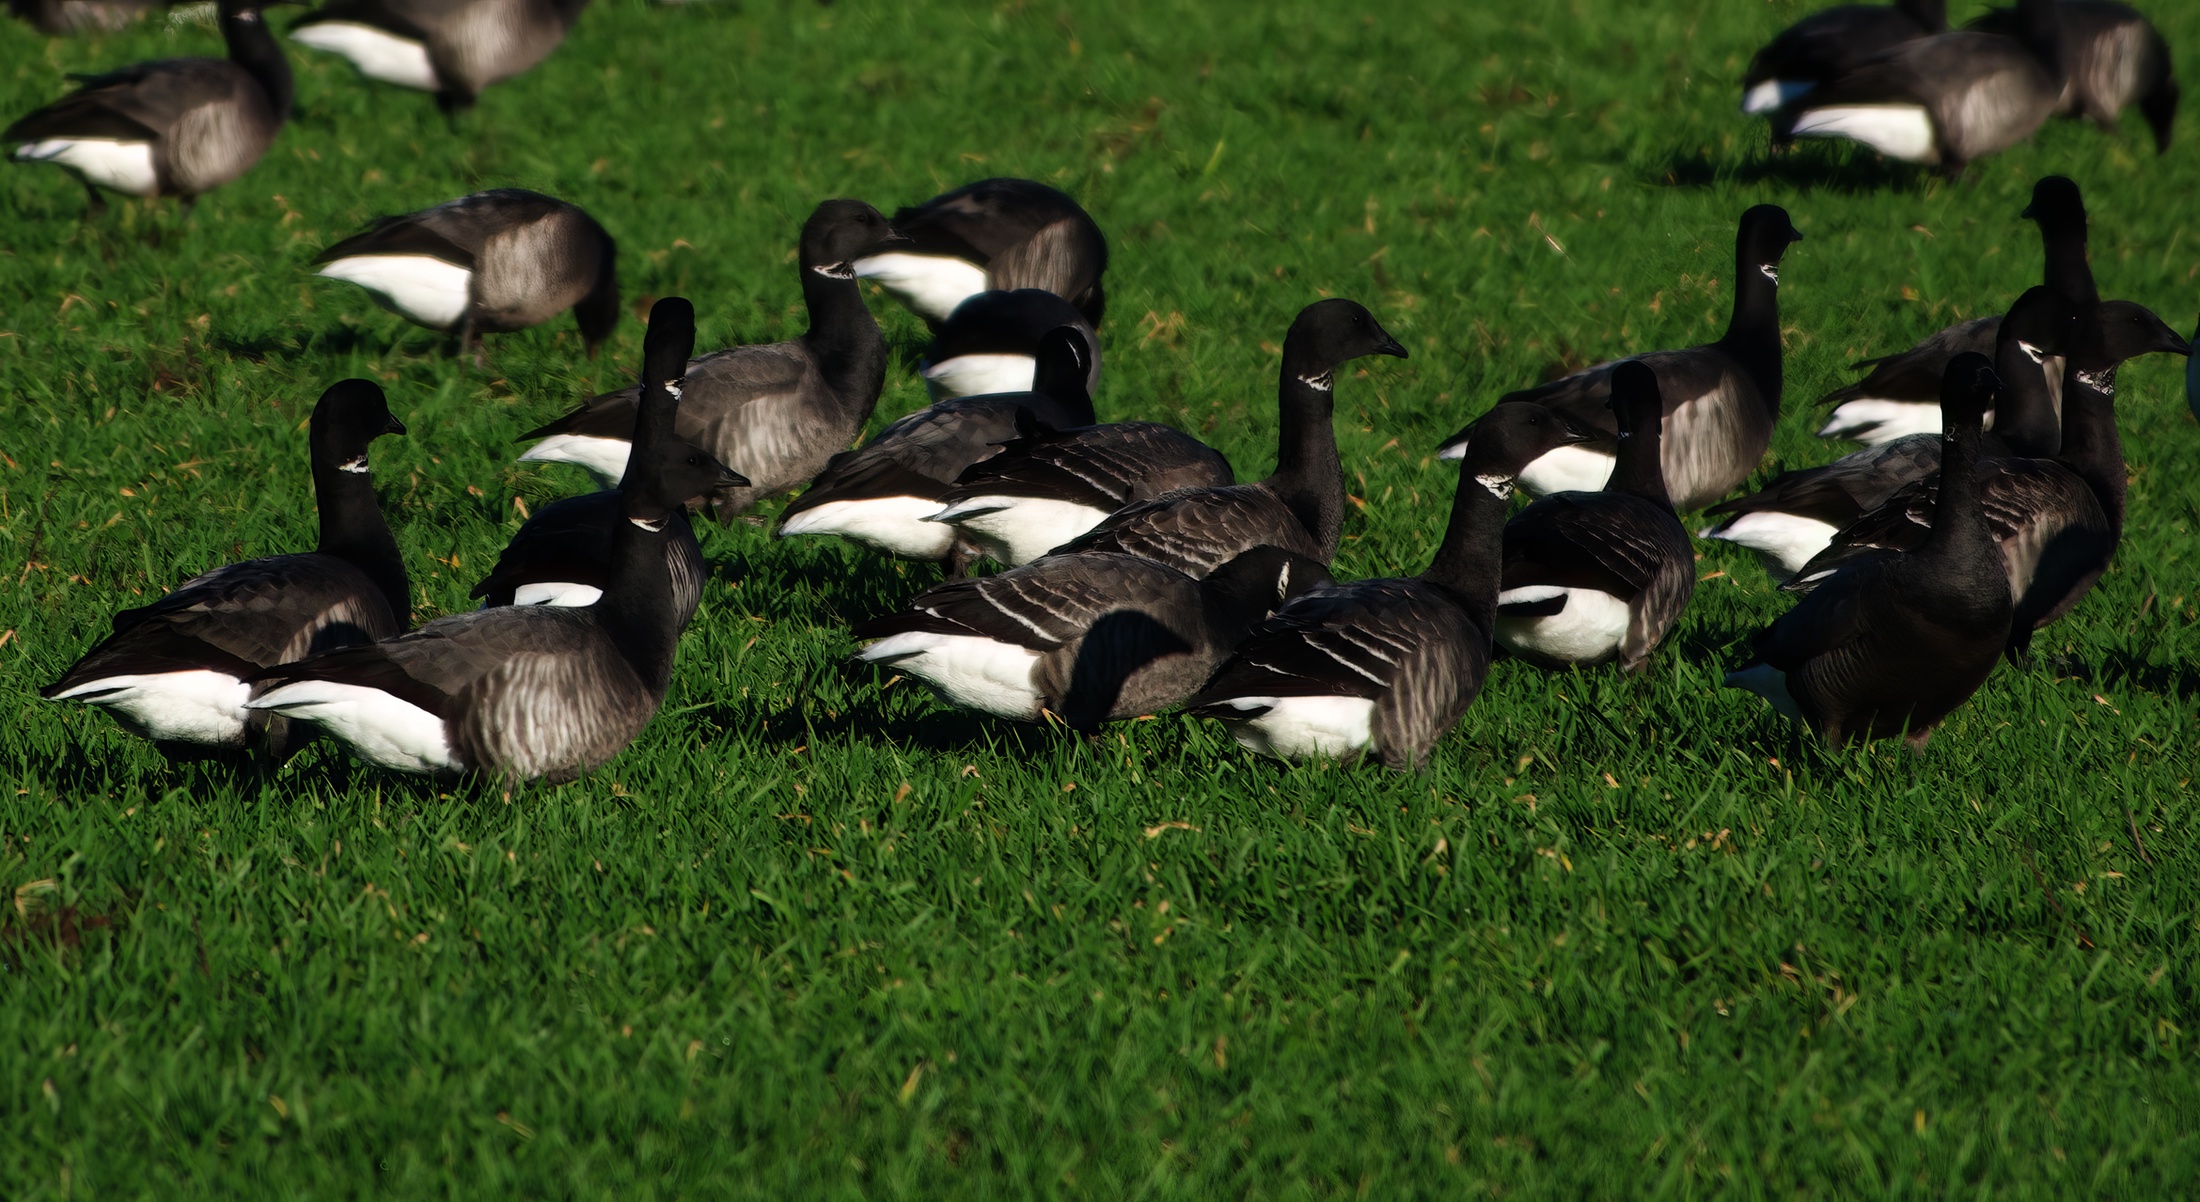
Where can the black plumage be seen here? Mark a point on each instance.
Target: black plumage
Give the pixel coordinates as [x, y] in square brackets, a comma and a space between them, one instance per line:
[1830, 43]
[990, 344]
[2114, 58]
[994, 235]
[452, 48]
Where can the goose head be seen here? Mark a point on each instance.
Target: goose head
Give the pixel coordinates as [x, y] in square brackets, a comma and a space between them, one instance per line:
[1763, 237]
[1062, 366]
[2056, 205]
[1967, 391]
[349, 416]
[1503, 442]
[2126, 330]
[1257, 582]
[1635, 400]
[841, 231]
[661, 479]
[1330, 333]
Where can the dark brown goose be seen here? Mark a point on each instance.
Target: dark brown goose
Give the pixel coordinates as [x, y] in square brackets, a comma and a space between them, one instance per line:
[1830, 43]
[990, 344]
[82, 16]
[995, 235]
[175, 671]
[2116, 58]
[453, 48]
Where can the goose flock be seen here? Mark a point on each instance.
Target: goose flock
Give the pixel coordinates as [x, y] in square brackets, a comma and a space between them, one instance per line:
[1134, 571]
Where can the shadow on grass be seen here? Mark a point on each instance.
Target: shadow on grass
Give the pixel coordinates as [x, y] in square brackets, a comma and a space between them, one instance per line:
[1805, 169]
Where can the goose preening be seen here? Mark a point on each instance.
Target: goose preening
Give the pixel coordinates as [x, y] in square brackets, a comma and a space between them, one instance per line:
[175, 671]
[884, 494]
[1721, 399]
[1892, 645]
[990, 344]
[1901, 395]
[1300, 506]
[1794, 518]
[488, 263]
[1387, 666]
[780, 410]
[173, 127]
[1832, 42]
[1944, 100]
[81, 16]
[1088, 637]
[453, 48]
[523, 691]
[2113, 58]
[993, 235]
[1589, 577]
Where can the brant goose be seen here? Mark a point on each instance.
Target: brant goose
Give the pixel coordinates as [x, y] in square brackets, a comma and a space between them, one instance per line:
[1088, 637]
[489, 263]
[991, 344]
[175, 671]
[1829, 44]
[80, 16]
[524, 691]
[884, 494]
[779, 410]
[2115, 58]
[1589, 577]
[1389, 665]
[173, 127]
[2192, 378]
[1300, 507]
[453, 48]
[1796, 515]
[1721, 399]
[993, 235]
[1901, 396]
[1892, 645]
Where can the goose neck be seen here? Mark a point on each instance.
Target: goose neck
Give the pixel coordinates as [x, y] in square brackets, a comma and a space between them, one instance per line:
[253, 47]
[1470, 561]
[2066, 268]
[1753, 329]
[353, 529]
[636, 608]
[2091, 446]
[1960, 531]
[843, 336]
[1309, 474]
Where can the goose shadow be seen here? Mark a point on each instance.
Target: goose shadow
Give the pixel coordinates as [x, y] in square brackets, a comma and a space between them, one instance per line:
[2121, 669]
[812, 588]
[1856, 173]
[867, 719]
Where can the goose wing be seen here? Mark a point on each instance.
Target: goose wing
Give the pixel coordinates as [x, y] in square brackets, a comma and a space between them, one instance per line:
[436, 664]
[742, 404]
[985, 219]
[2040, 511]
[136, 103]
[1914, 374]
[569, 542]
[1104, 467]
[1623, 545]
[1844, 490]
[1043, 605]
[921, 454]
[1198, 530]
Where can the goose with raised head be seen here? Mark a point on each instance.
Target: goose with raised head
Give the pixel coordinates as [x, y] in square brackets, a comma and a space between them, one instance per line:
[453, 48]
[996, 235]
[2115, 57]
[1386, 667]
[779, 410]
[1721, 399]
[1830, 43]
[990, 344]
[175, 671]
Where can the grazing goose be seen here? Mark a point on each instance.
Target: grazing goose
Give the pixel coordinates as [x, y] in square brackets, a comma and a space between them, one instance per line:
[1832, 42]
[1721, 399]
[1589, 577]
[453, 48]
[1300, 507]
[173, 127]
[1796, 515]
[522, 691]
[563, 555]
[2192, 377]
[1943, 100]
[779, 410]
[1893, 645]
[81, 16]
[993, 235]
[489, 263]
[2057, 520]
[2115, 58]
[991, 344]
[884, 494]
[175, 671]
[1087, 638]
[1901, 395]
[1388, 665]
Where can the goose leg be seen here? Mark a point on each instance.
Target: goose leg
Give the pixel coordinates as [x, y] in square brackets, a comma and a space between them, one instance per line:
[95, 205]
[960, 559]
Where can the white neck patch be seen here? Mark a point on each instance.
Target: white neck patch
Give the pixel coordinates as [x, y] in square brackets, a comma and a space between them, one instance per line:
[646, 524]
[1771, 271]
[1500, 487]
[1319, 383]
[673, 387]
[2031, 352]
[835, 271]
[358, 465]
[2103, 382]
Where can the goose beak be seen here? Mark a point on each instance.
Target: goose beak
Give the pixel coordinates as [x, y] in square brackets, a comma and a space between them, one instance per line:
[2173, 344]
[395, 427]
[728, 478]
[1391, 347]
[1575, 431]
[892, 237]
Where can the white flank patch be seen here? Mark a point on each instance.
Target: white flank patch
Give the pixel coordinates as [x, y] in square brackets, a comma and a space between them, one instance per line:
[1567, 469]
[1786, 541]
[894, 525]
[116, 166]
[1587, 631]
[421, 289]
[1875, 420]
[189, 707]
[1773, 94]
[379, 728]
[977, 375]
[929, 285]
[605, 458]
[1453, 450]
[1899, 131]
[975, 673]
[1017, 530]
[1769, 683]
[556, 592]
[1301, 728]
[378, 53]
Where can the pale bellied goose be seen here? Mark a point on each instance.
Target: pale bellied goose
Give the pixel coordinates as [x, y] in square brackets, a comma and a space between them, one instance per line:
[1943, 100]
[2114, 58]
[993, 235]
[1300, 506]
[173, 127]
[1087, 637]
[453, 48]
[1796, 515]
[175, 671]
[884, 494]
[563, 554]
[521, 691]
[1830, 43]
[488, 263]
[1901, 395]
[778, 410]
[1387, 666]
[990, 343]
[1590, 577]
[1721, 399]
[1893, 645]
[81, 16]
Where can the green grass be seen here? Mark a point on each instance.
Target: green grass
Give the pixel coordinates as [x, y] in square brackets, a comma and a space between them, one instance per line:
[813, 935]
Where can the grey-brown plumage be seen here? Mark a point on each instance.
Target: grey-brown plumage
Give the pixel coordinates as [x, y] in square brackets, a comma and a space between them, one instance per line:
[82, 16]
[1831, 42]
[990, 344]
[453, 48]
[994, 235]
[2115, 57]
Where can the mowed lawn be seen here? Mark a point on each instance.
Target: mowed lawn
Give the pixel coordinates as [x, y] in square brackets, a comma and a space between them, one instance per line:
[815, 935]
